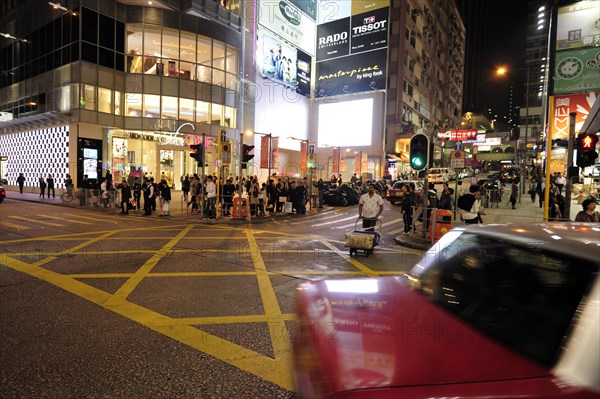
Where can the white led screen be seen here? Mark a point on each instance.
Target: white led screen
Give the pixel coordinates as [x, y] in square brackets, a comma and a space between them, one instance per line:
[346, 124]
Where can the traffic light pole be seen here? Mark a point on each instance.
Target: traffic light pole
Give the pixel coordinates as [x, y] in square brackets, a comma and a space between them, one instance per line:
[570, 148]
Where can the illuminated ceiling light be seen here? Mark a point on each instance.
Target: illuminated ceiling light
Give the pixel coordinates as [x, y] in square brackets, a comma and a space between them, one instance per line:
[541, 15]
[57, 6]
[32, 103]
[540, 27]
[544, 59]
[540, 21]
[542, 8]
[150, 2]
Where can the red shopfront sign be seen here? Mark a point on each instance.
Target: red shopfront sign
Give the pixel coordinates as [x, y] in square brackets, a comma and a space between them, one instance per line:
[562, 106]
[458, 135]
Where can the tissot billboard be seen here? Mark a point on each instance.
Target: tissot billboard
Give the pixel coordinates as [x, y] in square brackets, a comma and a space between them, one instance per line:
[352, 74]
[369, 30]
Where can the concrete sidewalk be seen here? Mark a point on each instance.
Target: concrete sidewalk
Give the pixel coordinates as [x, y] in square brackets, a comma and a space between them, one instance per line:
[526, 212]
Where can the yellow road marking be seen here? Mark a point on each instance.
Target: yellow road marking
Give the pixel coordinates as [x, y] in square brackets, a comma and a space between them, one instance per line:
[350, 259]
[218, 274]
[37, 221]
[126, 289]
[232, 319]
[15, 226]
[68, 220]
[98, 219]
[277, 330]
[247, 360]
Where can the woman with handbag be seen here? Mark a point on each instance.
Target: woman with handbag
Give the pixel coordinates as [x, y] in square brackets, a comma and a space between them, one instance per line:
[165, 193]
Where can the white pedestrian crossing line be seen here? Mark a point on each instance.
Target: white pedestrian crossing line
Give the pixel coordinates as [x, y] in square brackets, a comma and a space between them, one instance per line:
[382, 226]
[317, 217]
[320, 218]
[335, 221]
[394, 232]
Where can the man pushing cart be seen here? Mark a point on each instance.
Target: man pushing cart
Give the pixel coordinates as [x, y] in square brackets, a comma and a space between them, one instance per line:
[370, 208]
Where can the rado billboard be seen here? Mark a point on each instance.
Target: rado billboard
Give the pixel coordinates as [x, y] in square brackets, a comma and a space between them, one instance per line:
[333, 39]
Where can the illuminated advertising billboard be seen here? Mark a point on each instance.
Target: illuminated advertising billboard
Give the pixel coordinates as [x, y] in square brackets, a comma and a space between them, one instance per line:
[562, 106]
[369, 31]
[283, 63]
[352, 74]
[308, 7]
[354, 129]
[577, 71]
[352, 47]
[578, 25]
[287, 21]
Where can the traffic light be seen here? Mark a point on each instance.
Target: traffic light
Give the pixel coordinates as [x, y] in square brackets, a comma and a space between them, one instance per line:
[419, 151]
[198, 153]
[586, 149]
[246, 156]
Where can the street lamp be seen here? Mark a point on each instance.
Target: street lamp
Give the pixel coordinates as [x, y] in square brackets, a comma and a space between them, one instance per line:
[501, 72]
[270, 136]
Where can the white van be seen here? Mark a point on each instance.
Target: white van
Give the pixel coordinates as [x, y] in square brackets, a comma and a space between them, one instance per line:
[440, 175]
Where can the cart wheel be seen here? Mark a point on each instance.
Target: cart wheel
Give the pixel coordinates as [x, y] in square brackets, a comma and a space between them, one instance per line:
[351, 251]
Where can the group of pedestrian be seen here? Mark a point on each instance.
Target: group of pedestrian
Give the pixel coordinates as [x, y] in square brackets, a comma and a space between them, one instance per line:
[45, 183]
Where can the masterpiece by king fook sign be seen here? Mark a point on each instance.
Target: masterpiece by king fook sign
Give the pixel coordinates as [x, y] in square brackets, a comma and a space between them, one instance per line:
[562, 106]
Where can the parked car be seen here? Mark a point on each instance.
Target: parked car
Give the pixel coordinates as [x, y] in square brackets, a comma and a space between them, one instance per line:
[2, 193]
[490, 184]
[396, 194]
[592, 171]
[436, 175]
[503, 311]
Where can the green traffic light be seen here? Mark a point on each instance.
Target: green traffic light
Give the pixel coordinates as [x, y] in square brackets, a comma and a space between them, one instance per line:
[417, 162]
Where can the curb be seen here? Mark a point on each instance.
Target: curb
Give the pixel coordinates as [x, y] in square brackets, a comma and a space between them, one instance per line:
[412, 242]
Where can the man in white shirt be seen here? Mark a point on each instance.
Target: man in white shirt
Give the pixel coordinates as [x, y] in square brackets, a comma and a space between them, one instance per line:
[560, 182]
[370, 208]
[468, 205]
[211, 198]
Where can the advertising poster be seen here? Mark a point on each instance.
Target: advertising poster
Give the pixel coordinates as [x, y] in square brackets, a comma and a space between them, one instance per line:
[365, 162]
[343, 164]
[308, 7]
[562, 106]
[286, 20]
[357, 163]
[369, 31]
[333, 39]
[352, 74]
[303, 153]
[577, 71]
[275, 152]
[361, 6]
[578, 25]
[335, 154]
[264, 152]
[283, 63]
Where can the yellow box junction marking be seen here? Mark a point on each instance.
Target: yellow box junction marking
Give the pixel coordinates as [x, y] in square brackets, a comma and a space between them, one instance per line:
[35, 221]
[14, 225]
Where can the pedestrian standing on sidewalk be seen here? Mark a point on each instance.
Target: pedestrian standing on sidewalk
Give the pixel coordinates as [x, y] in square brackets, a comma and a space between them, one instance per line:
[211, 198]
[514, 194]
[532, 189]
[560, 182]
[137, 193]
[409, 202]
[50, 181]
[69, 185]
[21, 182]
[185, 187]
[42, 187]
[468, 206]
[320, 192]
[165, 193]
[370, 208]
[125, 197]
[148, 197]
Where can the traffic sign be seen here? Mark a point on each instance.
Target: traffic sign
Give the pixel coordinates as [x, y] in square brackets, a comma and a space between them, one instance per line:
[311, 149]
[458, 146]
[457, 159]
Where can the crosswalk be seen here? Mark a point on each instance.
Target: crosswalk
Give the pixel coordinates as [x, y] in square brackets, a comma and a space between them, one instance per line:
[346, 219]
[62, 220]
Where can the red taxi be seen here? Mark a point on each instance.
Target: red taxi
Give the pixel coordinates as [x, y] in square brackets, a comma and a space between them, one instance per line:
[489, 312]
[396, 194]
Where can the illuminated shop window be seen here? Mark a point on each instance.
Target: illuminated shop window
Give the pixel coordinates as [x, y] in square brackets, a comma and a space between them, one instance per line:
[203, 74]
[151, 106]
[186, 109]
[64, 100]
[232, 60]
[188, 47]
[88, 100]
[169, 107]
[229, 117]
[202, 112]
[231, 81]
[219, 55]
[204, 50]
[152, 50]
[133, 104]
[105, 100]
[118, 104]
[216, 114]
[218, 77]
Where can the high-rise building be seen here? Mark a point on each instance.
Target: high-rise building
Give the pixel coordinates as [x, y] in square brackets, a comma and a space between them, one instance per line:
[426, 70]
[115, 85]
[474, 19]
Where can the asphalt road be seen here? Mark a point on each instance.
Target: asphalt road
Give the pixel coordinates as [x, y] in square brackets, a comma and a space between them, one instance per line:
[99, 305]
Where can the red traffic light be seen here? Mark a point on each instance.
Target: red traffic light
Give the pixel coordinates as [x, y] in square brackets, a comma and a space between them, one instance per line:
[587, 142]
[586, 149]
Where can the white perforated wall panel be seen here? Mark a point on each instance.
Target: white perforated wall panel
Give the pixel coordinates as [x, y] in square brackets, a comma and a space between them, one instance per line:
[37, 153]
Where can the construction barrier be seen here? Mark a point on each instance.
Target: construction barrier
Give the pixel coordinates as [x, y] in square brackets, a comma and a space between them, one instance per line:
[440, 224]
[236, 208]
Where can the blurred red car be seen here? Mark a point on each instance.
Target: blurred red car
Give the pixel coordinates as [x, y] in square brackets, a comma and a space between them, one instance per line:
[489, 312]
[396, 194]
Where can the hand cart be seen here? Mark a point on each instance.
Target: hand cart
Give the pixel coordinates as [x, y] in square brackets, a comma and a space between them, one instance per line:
[363, 240]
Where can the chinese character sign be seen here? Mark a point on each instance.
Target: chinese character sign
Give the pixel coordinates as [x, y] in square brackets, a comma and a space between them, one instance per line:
[562, 106]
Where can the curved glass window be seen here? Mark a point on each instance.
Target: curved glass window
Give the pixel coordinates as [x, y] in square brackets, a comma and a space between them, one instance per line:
[202, 112]
[133, 104]
[151, 106]
[169, 107]
[186, 109]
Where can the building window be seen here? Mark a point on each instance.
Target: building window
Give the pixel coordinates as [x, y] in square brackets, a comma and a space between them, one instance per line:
[169, 107]
[216, 114]
[229, 117]
[105, 100]
[202, 112]
[151, 106]
[89, 97]
[186, 109]
[133, 104]
[118, 105]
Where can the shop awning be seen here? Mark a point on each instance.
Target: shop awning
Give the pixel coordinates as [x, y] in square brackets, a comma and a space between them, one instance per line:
[397, 156]
[33, 122]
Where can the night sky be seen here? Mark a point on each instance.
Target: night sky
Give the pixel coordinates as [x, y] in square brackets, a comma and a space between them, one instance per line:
[504, 39]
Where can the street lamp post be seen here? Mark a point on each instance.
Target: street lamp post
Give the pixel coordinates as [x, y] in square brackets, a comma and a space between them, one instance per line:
[502, 71]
